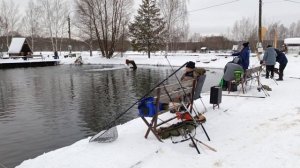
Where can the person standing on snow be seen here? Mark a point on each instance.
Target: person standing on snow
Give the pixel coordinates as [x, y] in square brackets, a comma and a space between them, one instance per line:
[244, 56]
[282, 60]
[269, 60]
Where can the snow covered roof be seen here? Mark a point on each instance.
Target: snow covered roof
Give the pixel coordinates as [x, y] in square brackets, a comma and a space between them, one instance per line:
[292, 41]
[16, 45]
[235, 47]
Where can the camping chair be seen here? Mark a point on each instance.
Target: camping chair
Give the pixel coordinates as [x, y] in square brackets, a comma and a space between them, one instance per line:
[199, 86]
[164, 95]
[197, 95]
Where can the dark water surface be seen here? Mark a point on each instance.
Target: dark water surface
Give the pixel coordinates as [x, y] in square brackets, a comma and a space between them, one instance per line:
[45, 108]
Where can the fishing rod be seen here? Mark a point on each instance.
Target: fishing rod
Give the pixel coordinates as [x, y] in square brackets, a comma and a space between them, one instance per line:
[108, 126]
[294, 77]
[245, 96]
[209, 147]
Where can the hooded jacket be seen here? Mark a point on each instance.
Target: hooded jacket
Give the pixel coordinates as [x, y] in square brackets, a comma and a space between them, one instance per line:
[244, 56]
[270, 56]
[229, 71]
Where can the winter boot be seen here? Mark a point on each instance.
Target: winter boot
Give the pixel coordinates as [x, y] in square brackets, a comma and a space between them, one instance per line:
[280, 77]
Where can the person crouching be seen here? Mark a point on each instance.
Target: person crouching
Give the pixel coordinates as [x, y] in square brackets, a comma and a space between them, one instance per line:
[229, 71]
[134, 67]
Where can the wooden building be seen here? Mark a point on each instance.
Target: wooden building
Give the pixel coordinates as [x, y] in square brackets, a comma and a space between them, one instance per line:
[292, 45]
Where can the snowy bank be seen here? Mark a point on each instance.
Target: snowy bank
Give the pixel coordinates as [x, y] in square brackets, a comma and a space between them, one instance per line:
[209, 60]
[245, 131]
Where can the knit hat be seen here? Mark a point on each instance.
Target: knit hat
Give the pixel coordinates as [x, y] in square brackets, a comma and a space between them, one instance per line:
[190, 64]
[246, 44]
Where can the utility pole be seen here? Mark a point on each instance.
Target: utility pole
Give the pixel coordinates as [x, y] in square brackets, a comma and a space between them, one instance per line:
[259, 46]
[69, 31]
[259, 22]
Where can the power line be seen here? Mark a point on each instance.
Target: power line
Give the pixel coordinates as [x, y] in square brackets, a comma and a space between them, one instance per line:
[280, 1]
[269, 2]
[212, 6]
[292, 1]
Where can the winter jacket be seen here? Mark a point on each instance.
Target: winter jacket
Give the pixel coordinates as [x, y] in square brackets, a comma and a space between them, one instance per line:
[229, 71]
[281, 58]
[244, 56]
[270, 56]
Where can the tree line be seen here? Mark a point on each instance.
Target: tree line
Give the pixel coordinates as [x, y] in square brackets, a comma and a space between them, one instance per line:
[113, 25]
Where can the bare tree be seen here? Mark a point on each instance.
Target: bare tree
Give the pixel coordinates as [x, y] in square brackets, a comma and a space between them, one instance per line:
[31, 21]
[282, 32]
[9, 13]
[107, 17]
[272, 30]
[244, 29]
[54, 19]
[292, 29]
[196, 37]
[1, 26]
[175, 15]
[297, 29]
[84, 23]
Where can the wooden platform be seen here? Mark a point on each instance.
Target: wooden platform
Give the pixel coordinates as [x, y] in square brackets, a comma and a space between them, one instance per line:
[25, 64]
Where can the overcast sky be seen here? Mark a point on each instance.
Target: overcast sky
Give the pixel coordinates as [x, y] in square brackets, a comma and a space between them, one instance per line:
[211, 17]
[217, 19]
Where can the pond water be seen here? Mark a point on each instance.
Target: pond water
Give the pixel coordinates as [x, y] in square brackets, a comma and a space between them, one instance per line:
[45, 108]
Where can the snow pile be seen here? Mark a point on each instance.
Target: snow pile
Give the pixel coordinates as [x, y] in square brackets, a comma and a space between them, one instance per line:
[245, 131]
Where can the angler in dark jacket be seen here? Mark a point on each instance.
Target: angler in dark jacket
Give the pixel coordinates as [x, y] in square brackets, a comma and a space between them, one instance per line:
[282, 60]
[244, 56]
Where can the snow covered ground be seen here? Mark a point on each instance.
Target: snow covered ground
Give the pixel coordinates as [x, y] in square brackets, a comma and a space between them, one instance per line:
[247, 132]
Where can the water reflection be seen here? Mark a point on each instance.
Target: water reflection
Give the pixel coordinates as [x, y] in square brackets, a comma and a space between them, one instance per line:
[45, 108]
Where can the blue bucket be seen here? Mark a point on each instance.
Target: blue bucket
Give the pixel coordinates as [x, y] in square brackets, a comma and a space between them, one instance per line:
[147, 107]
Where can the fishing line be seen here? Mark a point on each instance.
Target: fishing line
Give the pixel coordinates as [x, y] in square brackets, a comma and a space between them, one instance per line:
[111, 124]
[196, 112]
[2, 165]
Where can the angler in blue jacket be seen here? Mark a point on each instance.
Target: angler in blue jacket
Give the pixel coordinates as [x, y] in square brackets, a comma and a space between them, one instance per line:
[244, 55]
[282, 60]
